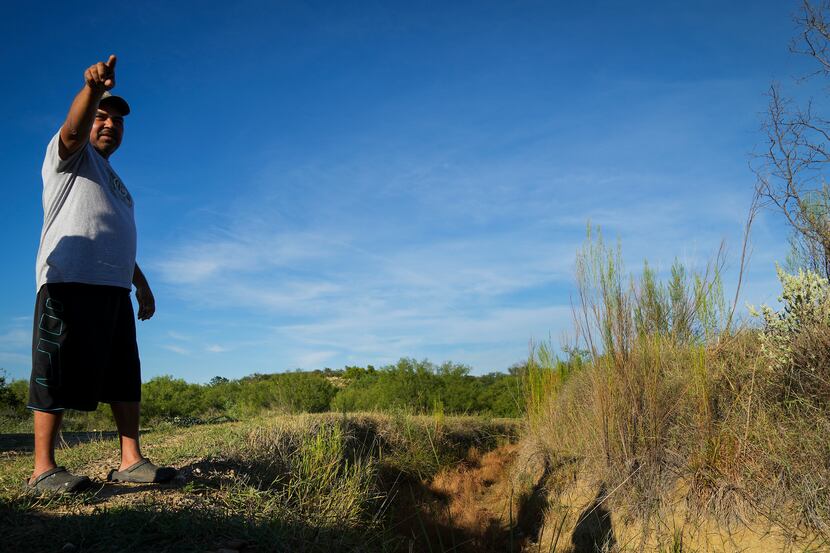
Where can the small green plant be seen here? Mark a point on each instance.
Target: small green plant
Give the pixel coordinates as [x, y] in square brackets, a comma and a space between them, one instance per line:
[438, 414]
[542, 377]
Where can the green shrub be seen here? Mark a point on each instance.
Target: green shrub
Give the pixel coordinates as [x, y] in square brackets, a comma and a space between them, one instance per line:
[795, 341]
[420, 387]
[291, 392]
[500, 395]
[13, 396]
[167, 397]
[302, 392]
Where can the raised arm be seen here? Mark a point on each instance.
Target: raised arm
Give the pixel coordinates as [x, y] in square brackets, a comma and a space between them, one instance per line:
[75, 130]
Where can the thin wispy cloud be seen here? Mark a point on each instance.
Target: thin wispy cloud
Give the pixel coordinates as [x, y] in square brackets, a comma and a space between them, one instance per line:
[16, 343]
[353, 297]
[314, 358]
[16, 337]
[14, 359]
[216, 348]
[176, 349]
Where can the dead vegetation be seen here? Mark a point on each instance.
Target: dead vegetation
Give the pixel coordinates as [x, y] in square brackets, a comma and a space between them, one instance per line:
[682, 432]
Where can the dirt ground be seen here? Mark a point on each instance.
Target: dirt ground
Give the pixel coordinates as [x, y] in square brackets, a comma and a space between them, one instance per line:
[476, 506]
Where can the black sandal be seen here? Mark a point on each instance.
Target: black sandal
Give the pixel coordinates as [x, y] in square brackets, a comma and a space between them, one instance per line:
[57, 481]
[143, 472]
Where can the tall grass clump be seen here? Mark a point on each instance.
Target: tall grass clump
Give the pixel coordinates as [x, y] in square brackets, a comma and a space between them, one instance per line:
[314, 474]
[647, 384]
[542, 377]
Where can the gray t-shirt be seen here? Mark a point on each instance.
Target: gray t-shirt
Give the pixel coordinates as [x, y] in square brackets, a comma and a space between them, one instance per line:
[89, 231]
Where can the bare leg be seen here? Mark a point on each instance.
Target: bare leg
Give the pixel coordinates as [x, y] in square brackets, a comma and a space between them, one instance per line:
[47, 426]
[127, 415]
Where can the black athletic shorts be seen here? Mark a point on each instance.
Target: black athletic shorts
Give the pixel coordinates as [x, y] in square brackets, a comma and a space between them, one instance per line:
[83, 348]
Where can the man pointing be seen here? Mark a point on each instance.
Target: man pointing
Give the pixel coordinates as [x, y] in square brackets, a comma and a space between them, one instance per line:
[84, 347]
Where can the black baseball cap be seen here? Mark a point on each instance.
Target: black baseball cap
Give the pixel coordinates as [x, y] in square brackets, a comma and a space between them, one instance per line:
[117, 101]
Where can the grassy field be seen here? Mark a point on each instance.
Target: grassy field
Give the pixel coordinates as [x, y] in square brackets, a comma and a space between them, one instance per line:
[274, 483]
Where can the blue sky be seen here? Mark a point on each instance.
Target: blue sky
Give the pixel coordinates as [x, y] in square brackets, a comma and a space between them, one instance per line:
[329, 183]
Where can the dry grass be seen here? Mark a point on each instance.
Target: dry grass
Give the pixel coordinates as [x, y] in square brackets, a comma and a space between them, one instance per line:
[675, 404]
[477, 492]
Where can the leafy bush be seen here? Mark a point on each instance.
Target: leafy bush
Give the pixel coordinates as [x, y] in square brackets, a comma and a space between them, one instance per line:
[13, 396]
[291, 392]
[796, 340]
[165, 396]
[500, 395]
[422, 387]
[303, 392]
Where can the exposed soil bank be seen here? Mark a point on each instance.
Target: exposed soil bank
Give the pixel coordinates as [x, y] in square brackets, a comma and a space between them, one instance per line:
[511, 500]
[477, 506]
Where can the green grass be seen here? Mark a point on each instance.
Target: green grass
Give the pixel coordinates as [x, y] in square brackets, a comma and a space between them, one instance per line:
[275, 483]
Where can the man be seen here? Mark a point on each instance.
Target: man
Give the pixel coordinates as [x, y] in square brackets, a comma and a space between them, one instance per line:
[84, 347]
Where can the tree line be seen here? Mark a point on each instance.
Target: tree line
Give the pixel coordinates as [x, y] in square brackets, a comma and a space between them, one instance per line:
[419, 387]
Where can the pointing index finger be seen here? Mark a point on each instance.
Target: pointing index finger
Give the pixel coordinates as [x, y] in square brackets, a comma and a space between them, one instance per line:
[111, 62]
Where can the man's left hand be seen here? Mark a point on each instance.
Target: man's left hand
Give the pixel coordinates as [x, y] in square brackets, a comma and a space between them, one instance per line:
[146, 302]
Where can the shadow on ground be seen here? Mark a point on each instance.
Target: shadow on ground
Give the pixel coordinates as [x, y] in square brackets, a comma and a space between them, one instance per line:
[194, 513]
[502, 523]
[143, 529]
[594, 532]
[25, 443]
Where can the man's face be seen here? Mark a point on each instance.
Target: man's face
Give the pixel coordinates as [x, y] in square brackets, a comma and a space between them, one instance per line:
[107, 130]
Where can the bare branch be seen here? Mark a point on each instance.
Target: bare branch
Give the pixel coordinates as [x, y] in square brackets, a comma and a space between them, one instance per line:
[789, 174]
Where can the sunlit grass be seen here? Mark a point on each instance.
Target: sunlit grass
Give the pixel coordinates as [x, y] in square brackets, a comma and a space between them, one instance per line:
[306, 482]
